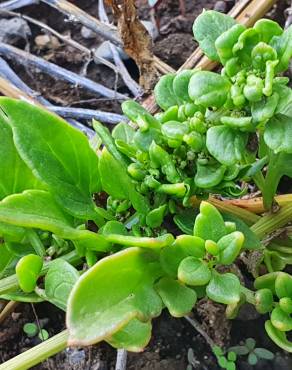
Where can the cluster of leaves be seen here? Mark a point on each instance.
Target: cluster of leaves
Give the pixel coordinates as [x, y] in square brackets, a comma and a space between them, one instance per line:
[31, 330]
[205, 139]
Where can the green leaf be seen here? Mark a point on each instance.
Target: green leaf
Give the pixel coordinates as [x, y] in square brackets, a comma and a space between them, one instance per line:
[209, 175]
[59, 282]
[283, 285]
[264, 353]
[267, 29]
[226, 145]
[133, 337]
[155, 217]
[184, 246]
[178, 298]
[250, 343]
[209, 89]
[14, 174]
[163, 92]
[58, 154]
[278, 134]
[124, 132]
[31, 329]
[285, 101]
[281, 320]
[97, 311]
[229, 247]
[207, 27]
[251, 241]
[20, 296]
[239, 350]
[114, 227]
[185, 220]
[6, 258]
[38, 209]
[209, 224]
[194, 272]
[181, 83]
[110, 170]
[224, 288]
[283, 46]
[252, 359]
[279, 165]
[27, 271]
[278, 337]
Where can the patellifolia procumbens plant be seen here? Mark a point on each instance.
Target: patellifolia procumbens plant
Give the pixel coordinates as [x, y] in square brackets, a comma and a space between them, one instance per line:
[89, 228]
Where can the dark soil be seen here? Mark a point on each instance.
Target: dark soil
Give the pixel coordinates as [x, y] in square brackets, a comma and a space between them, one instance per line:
[172, 338]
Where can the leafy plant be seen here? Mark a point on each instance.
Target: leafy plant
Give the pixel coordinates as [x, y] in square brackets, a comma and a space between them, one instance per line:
[228, 361]
[31, 330]
[90, 230]
[253, 353]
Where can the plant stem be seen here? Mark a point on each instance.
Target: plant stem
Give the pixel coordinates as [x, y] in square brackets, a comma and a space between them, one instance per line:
[10, 283]
[273, 221]
[37, 354]
[36, 243]
[200, 330]
[249, 295]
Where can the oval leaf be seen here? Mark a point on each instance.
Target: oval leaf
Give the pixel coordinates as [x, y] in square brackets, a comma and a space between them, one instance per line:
[224, 288]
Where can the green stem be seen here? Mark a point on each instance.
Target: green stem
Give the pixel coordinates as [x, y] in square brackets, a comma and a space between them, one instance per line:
[160, 242]
[10, 283]
[249, 295]
[37, 354]
[36, 242]
[273, 221]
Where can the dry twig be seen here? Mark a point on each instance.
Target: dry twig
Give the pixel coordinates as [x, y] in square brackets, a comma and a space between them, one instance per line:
[121, 363]
[16, 4]
[56, 71]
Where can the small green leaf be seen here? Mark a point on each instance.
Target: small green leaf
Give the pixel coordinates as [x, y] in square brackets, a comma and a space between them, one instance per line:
[163, 92]
[229, 247]
[184, 246]
[181, 83]
[30, 329]
[281, 320]
[278, 337]
[110, 169]
[283, 285]
[124, 132]
[226, 145]
[252, 359]
[155, 217]
[178, 299]
[209, 175]
[207, 27]
[97, 311]
[114, 227]
[192, 271]
[224, 288]
[59, 282]
[27, 271]
[209, 224]
[217, 351]
[231, 356]
[209, 89]
[264, 353]
[43, 335]
[250, 343]
[278, 134]
[264, 300]
[222, 361]
[239, 350]
[132, 337]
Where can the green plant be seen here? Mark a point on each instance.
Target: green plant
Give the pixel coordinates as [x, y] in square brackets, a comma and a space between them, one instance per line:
[31, 330]
[253, 353]
[200, 142]
[225, 361]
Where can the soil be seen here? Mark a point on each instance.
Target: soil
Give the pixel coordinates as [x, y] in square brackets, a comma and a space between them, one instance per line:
[172, 338]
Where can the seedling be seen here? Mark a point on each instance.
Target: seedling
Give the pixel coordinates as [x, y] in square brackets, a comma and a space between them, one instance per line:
[253, 353]
[32, 330]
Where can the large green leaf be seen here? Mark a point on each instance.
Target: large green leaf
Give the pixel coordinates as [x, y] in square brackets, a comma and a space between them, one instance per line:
[225, 144]
[58, 154]
[113, 292]
[116, 182]
[38, 209]
[15, 176]
[278, 134]
[207, 27]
